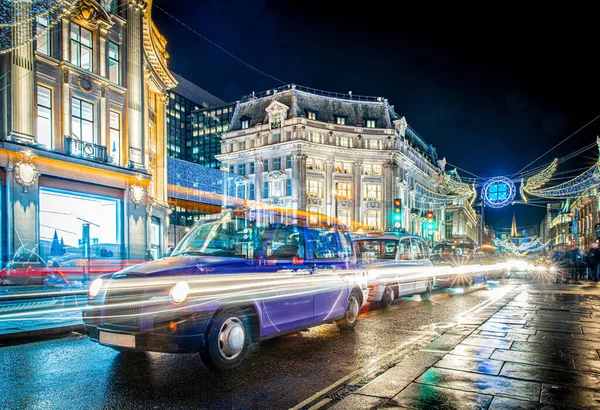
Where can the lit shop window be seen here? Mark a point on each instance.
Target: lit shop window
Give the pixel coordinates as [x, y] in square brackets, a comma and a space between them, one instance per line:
[313, 215]
[44, 117]
[155, 237]
[81, 47]
[72, 221]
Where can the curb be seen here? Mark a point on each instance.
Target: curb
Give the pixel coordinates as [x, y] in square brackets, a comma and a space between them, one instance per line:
[36, 335]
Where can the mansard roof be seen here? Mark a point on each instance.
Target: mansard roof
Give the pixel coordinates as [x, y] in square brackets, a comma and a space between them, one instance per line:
[326, 108]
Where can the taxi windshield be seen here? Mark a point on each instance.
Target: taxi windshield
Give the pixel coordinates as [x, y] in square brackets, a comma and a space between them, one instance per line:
[227, 236]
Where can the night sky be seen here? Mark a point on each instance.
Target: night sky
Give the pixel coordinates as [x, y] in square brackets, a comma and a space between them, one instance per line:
[492, 89]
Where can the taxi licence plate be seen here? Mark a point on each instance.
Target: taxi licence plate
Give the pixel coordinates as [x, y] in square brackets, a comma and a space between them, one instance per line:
[116, 339]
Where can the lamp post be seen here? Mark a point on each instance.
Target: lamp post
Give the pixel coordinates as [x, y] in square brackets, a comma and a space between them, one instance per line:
[335, 202]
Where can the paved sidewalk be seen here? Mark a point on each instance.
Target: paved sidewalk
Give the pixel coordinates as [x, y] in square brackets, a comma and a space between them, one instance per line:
[534, 349]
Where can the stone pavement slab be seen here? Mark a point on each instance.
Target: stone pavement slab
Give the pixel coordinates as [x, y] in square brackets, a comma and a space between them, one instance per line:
[540, 350]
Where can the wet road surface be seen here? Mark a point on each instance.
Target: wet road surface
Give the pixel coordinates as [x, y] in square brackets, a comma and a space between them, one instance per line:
[280, 373]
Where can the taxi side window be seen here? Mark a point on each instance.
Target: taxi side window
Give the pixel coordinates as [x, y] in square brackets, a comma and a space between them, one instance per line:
[404, 251]
[323, 243]
[389, 250]
[346, 243]
[417, 249]
[287, 242]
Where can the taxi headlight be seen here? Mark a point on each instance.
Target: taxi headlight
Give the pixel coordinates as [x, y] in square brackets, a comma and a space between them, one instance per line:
[179, 292]
[94, 288]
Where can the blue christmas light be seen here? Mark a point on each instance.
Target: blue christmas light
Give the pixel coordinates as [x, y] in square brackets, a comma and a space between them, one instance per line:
[498, 192]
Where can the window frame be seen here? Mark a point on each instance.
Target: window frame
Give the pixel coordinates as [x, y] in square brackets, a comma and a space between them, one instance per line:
[117, 64]
[118, 132]
[82, 120]
[49, 119]
[45, 38]
[77, 45]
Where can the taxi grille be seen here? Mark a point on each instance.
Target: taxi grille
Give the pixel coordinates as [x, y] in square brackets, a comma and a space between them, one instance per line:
[123, 307]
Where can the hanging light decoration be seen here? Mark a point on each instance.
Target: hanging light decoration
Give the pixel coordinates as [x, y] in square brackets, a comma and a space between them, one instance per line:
[460, 188]
[18, 18]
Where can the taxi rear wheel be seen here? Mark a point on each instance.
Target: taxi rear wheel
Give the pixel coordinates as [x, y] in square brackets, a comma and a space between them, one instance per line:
[388, 297]
[352, 309]
[227, 339]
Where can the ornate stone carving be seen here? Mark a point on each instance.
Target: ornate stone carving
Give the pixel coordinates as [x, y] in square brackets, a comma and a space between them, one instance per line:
[26, 173]
[85, 84]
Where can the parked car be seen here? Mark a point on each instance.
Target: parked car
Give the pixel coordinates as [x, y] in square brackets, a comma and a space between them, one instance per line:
[392, 259]
[458, 254]
[240, 276]
[25, 268]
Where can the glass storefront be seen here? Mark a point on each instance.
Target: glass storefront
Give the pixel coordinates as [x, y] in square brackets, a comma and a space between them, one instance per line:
[74, 224]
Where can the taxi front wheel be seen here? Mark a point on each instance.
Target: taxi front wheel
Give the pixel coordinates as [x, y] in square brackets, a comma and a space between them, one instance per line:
[352, 309]
[228, 339]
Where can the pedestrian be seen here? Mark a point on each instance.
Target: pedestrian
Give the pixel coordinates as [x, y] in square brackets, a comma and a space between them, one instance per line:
[560, 260]
[571, 257]
[593, 261]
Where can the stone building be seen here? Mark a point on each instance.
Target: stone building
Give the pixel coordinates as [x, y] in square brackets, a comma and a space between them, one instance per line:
[341, 155]
[82, 133]
[584, 211]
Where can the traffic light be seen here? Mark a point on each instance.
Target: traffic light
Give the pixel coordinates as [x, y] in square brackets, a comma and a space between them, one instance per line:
[430, 225]
[397, 214]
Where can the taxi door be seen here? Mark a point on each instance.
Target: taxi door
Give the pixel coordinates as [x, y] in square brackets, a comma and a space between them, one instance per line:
[328, 254]
[289, 304]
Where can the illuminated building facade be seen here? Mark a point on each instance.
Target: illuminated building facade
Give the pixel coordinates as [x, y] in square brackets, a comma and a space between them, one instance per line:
[83, 136]
[340, 155]
[461, 222]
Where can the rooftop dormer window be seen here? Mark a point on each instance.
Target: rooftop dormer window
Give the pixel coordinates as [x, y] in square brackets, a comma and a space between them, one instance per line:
[340, 120]
[311, 115]
[245, 122]
[276, 123]
[370, 123]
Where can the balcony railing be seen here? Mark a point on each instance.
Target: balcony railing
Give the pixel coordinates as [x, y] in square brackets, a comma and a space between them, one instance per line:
[85, 150]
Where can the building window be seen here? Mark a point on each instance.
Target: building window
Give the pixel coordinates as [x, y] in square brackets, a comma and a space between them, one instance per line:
[343, 167]
[314, 137]
[115, 137]
[276, 138]
[312, 115]
[82, 120]
[232, 169]
[251, 168]
[44, 116]
[372, 169]
[113, 62]
[374, 144]
[265, 140]
[343, 142]
[288, 135]
[277, 188]
[289, 187]
[315, 188]
[373, 219]
[43, 41]
[245, 124]
[266, 165]
[340, 120]
[370, 123]
[344, 190]
[344, 217]
[81, 47]
[288, 161]
[250, 143]
[276, 120]
[242, 169]
[373, 192]
[252, 194]
[314, 164]
[266, 190]
[276, 164]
